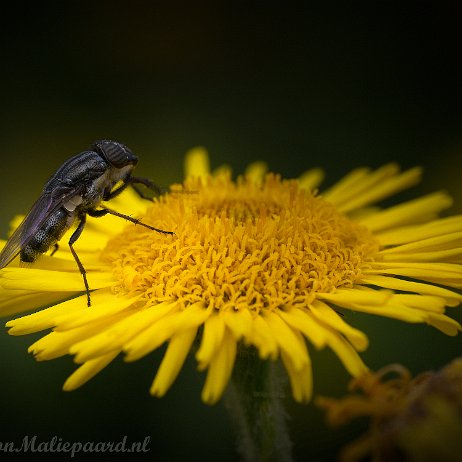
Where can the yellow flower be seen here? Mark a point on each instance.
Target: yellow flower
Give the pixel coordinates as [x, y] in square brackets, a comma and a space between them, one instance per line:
[261, 261]
[411, 419]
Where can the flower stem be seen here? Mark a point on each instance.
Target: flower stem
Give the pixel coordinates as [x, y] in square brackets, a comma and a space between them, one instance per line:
[254, 401]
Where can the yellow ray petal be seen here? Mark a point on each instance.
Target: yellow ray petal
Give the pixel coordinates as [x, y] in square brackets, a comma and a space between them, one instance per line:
[261, 336]
[220, 369]
[57, 344]
[256, 171]
[443, 323]
[152, 337]
[326, 315]
[447, 241]
[19, 301]
[438, 269]
[45, 319]
[212, 337]
[87, 371]
[449, 255]
[391, 309]
[382, 189]
[305, 323]
[223, 169]
[301, 381]
[66, 262]
[196, 163]
[239, 322]
[406, 234]
[311, 179]
[389, 305]
[452, 298]
[417, 210]
[346, 186]
[343, 297]
[118, 334]
[101, 309]
[51, 281]
[287, 340]
[441, 273]
[421, 302]
[177, 351]
[346, 353]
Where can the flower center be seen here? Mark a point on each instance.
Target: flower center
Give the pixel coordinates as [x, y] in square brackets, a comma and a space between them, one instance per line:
[241, 245]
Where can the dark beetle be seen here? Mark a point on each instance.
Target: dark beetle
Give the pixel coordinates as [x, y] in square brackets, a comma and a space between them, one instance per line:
[76, 189]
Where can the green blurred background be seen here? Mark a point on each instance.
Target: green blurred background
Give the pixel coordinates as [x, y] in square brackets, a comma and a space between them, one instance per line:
[297, 86]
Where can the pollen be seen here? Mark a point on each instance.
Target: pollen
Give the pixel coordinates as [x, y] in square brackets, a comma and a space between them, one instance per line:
[243, 245]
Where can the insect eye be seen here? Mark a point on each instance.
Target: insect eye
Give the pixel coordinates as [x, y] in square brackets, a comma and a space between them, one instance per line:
[115, 153]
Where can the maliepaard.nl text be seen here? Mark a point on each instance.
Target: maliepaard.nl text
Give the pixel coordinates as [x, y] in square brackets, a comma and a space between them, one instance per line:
[33, 444]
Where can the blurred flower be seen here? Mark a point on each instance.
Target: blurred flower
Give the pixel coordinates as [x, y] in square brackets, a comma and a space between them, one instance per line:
[258, 261]
[416, 419]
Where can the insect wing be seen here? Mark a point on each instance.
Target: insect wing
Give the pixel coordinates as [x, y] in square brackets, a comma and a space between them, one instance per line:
[46, 204]
[28, 227]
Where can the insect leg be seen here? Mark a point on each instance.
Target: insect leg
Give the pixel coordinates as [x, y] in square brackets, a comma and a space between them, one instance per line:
[115, 192]
[75, 235]
[55, 248]
[105, 211]
[133, 180]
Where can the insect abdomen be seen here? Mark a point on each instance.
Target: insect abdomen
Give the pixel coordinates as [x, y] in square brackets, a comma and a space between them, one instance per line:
[47, 235]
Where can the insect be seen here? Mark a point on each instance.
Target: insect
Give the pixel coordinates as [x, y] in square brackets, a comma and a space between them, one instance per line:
[74, 191]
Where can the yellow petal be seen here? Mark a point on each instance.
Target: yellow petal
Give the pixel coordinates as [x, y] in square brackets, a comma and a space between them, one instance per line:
[452, 298]
[42, 280]
[262, 337]
[239, 322]
[446, 255]
[197, 163]
[432, 244]
[57, 344]
[99, 310]
[45, 319]
[212, 337]
[417, 210]
[311, 179]
[443, 323]
[220, 369]
[345, 297]
[301, 381]
[326, 315]
[392, 309]
[346, 353]
[346, 186]
[347, 190]
[87, 371]
[287, 340]
[306, 324]
[256, 171]
[448, 274]
[119, 333]
[381, 189]
[24, 300]
[407, 234]
[152, 337]
[421, 302]
[177, 351]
